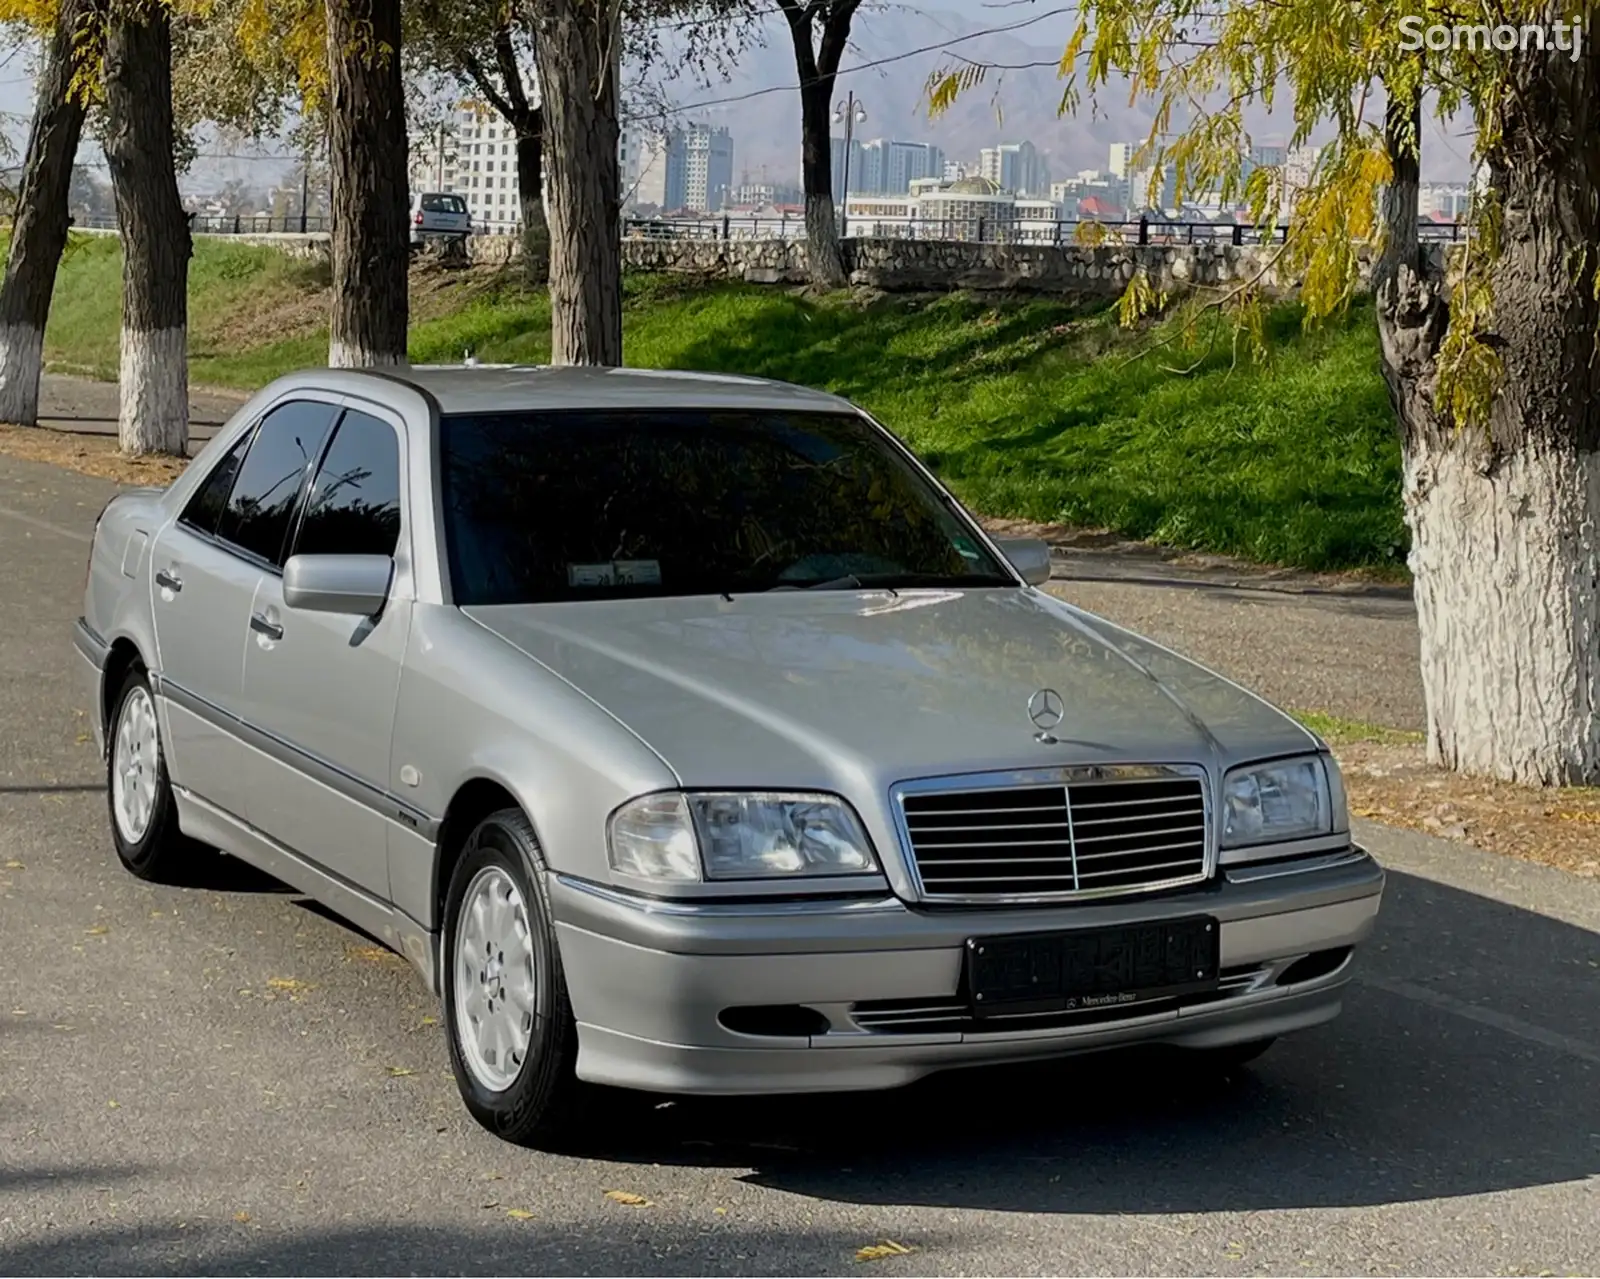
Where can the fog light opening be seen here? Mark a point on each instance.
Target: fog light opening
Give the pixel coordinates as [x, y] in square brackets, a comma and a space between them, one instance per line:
[774, 1021]
[1317, 964]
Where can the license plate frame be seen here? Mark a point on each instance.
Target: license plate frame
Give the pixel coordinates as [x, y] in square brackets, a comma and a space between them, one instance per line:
[1091, 969]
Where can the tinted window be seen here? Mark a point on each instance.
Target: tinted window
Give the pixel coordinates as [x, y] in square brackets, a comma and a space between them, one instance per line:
[206, 506]
[579, 505]
[264, 496]
[443, 204]
[354, 507]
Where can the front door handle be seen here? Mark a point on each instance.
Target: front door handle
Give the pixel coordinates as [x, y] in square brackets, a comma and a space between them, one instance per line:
[270, 629]
[168, 579]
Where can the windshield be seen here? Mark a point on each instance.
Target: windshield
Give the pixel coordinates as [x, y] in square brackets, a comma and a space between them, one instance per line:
[611, 504]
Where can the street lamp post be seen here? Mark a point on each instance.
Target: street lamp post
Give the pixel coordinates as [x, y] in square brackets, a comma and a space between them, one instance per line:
[850, 113]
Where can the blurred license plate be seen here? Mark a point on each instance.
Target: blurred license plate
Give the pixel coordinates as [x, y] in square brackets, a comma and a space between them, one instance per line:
[1092, 968]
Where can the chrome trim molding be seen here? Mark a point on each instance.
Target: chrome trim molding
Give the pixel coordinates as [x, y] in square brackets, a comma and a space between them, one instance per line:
[1063, 776]
[707, 908]
[386, 805]
[1303, 865]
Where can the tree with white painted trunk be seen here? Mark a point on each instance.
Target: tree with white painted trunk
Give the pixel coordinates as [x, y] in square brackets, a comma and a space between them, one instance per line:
[367, 154]
[819, 31]
[1489, 348]
[139, 145]
[39, 229]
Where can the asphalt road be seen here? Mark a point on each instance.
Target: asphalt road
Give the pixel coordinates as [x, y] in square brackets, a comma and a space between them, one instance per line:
[220, 1079]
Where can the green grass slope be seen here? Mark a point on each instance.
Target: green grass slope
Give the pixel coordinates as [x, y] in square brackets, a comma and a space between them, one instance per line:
[1029, 408]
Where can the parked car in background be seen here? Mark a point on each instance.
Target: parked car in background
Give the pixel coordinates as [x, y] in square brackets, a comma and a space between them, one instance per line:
[438, 215]
[688, 736]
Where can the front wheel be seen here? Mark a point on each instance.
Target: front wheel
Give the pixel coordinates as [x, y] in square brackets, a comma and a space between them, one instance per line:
[513, 1038]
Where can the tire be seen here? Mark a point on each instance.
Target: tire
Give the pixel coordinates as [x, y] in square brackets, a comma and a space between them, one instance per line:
[508, 971]
[139, 802]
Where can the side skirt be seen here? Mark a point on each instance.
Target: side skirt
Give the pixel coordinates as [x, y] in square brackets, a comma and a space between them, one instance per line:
[204, 821]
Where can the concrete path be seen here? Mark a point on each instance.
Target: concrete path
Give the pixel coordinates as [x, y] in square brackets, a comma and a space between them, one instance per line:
[220, 1079]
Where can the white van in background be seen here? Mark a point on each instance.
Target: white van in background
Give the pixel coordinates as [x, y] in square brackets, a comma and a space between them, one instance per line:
[438, 215]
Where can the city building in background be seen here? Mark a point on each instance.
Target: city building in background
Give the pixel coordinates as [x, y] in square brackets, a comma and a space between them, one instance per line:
[885, 166]
[690, 169]
[1016, 167]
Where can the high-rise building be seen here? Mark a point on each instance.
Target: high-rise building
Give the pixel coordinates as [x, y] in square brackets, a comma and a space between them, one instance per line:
[474, 155]
[689, 168]
[886, 166]
[1017, 167]
[1121, 160]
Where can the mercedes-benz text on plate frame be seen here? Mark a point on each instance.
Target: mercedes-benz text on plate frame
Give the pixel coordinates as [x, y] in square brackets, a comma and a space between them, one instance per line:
[687, 735]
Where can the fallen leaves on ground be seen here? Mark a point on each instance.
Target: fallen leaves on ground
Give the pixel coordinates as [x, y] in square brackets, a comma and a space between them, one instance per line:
[287, 983]
[99, 930]
[95, 455]
[373, 955]
[1393, 782]
[629, 1198]
[519, 1214]
[398, 1072]
[882, 1249]
[241, 1217]
[15, 865]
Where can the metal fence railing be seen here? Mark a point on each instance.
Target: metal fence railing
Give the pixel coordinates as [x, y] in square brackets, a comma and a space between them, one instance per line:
[982, 230]
[730, 227]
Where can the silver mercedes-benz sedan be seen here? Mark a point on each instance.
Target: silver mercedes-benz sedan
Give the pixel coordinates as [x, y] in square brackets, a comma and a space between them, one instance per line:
[688, 736]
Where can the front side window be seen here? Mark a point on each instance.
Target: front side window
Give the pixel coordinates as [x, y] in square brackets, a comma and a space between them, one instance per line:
[263, 499]
[354, 504]
[209, 501]
[552, 506]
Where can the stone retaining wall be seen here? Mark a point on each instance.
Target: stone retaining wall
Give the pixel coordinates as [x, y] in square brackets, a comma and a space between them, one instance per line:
[922, 266]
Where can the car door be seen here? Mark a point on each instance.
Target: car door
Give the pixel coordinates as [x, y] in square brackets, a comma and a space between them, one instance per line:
[206, 567]
[322, 686]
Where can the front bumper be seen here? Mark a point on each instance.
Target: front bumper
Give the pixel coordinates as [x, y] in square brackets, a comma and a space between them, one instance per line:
[650, 981]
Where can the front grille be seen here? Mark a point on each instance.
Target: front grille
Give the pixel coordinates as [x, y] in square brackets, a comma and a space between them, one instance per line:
[945, 1014]
[1078, 839]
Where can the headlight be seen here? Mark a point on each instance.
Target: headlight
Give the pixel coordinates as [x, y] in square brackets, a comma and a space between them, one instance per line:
[1272, 803]
[738, 835]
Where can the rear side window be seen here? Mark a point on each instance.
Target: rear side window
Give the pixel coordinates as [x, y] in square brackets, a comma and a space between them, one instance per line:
[354, 506]
[206, 506]
[267, 490]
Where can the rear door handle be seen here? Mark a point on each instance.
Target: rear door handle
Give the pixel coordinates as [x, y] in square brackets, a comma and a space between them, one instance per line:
[168, 579]
[270, 629]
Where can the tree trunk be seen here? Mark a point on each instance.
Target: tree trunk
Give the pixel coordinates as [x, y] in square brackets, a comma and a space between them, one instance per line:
[39, 230]
[530, 194]
[367, 156]
[154, 374]
[824, 254]
[1505, 516]
[575, 46]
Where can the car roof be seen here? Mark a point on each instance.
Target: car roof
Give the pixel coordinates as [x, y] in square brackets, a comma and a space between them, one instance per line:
[486, 388]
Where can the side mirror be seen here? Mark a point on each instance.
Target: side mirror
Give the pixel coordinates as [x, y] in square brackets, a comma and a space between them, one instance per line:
[1029, 556]
[355, 584]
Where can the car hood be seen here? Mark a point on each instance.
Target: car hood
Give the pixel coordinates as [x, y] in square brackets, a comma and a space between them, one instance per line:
[838, 689]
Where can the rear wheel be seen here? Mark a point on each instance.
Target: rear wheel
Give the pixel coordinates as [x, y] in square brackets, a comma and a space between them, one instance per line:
[144, 816]
[513, 1038]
